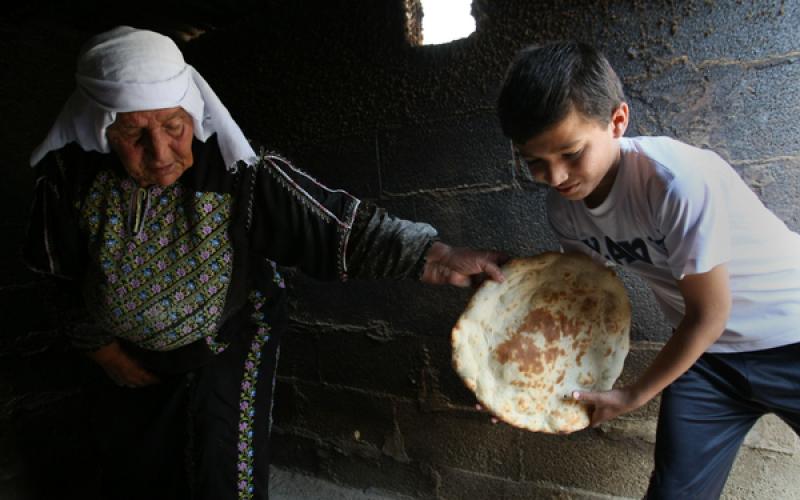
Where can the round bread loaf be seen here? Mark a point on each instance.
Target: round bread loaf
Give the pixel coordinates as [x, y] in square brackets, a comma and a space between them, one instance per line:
[558, 323]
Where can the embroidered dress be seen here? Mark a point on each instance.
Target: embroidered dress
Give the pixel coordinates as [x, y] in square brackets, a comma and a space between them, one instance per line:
[186, 278]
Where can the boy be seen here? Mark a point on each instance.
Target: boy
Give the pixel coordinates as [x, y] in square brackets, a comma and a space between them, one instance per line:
[724, 269]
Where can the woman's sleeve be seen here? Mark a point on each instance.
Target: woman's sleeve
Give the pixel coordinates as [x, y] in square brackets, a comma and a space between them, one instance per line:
[327, 233]
[52, 237]
[53, 248]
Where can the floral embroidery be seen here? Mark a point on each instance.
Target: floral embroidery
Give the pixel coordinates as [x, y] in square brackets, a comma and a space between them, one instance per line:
[247, 398]
[276, 276]
[170, 276]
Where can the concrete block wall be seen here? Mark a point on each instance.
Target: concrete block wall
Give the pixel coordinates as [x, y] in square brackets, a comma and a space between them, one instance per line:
[366, 395]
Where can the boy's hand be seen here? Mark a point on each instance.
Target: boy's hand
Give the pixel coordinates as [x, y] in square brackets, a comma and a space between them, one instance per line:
[707, 299]
[446, 265]
[603, 406]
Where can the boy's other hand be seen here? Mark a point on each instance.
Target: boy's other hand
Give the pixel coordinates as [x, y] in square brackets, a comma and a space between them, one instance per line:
[446, 265]
[603, 406]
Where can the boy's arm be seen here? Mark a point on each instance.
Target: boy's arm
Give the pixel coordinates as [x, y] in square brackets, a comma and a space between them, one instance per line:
[707, 300]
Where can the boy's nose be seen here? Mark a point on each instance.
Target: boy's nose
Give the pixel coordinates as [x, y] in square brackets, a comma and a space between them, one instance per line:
[556, 175]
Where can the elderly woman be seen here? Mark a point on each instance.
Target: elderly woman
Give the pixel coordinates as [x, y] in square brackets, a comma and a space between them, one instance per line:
[155, 209]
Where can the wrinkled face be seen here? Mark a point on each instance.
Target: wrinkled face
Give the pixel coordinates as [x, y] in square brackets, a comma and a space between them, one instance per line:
[155, 146]
[578, 157]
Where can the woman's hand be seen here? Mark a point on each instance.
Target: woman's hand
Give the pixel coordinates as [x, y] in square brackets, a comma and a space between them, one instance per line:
[446, 265]
[603, 406]
[124, 370]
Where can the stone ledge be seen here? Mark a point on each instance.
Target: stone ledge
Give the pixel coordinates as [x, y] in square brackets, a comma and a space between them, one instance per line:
[457, 484]
[769, 434]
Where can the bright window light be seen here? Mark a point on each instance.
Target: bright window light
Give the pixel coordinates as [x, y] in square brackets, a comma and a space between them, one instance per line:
[446, 20]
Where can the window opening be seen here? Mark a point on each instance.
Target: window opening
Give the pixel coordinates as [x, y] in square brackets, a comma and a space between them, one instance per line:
[433, 22]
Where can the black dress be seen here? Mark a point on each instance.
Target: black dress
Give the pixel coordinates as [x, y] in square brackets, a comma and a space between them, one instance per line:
[186, 279]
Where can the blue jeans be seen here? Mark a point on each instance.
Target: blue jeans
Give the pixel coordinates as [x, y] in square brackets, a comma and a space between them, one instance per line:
[706, 413]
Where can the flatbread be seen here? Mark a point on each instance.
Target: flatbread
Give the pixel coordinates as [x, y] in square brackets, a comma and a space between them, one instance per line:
[558, 323]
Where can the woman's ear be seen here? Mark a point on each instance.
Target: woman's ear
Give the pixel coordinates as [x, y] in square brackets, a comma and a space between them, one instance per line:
[619, 120]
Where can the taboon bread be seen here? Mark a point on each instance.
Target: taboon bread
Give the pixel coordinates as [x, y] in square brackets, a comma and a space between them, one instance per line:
[559, 323]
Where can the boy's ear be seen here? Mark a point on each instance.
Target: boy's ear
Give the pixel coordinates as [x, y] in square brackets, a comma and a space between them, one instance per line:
[619, 120]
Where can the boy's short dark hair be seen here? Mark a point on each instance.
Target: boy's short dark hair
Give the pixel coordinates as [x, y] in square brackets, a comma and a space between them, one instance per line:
[544, 83]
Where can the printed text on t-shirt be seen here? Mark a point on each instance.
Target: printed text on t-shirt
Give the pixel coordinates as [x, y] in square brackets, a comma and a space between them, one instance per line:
[621, 252]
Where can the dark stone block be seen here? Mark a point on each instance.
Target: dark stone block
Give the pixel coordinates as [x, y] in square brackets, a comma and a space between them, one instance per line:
[587, 460]
[511, 220]
[699, 30]
[743, 112]
[383, 365]
[465, 439]
[415, 480]
[25, 309]
[350, 419]
[284, 411]
[13, 271]
[385, 308]
[299, 353]
[777, 183]
[756, 107]
[445, 154]
[647, 321]
[348, 162]
[447, 388]
[295, 451]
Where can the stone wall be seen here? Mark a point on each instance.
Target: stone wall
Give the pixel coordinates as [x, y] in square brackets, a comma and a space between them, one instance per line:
[366, 394]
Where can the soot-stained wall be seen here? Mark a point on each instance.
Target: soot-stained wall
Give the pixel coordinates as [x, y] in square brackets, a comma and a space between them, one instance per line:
[366, 392]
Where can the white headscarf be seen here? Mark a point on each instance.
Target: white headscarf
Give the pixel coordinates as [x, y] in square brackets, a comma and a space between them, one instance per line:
[127, 69]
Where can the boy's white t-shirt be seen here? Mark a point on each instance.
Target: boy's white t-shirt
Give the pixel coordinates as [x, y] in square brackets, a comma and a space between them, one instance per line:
[676, 210]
